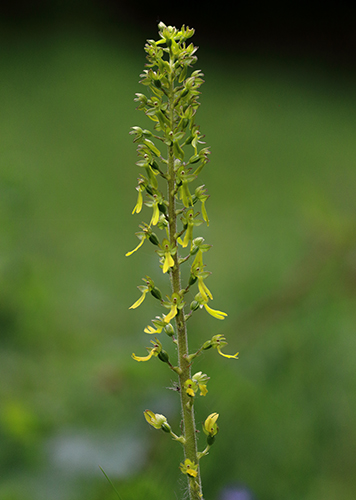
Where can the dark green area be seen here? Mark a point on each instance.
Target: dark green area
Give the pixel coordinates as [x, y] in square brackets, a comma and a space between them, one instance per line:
[282, 180]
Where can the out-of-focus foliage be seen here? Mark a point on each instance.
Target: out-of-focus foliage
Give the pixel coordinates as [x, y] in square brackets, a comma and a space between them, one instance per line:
[282, 180]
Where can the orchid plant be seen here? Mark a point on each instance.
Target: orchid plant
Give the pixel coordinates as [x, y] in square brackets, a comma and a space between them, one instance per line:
[171, 158]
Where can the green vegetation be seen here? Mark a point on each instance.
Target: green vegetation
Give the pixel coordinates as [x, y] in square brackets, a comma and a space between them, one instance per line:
[282, 138]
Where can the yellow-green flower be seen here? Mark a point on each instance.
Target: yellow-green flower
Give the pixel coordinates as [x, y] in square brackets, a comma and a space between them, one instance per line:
[155, 419]
[190, 387]
[189, 467]
[197, 382]
[210, 427]
[166, 251]
[154, 202]
[144, 289]
[174, 303]
[146, 233]
[168, 261]
[142, 240]
[217, 342]
[141, 299]
[200, 193]
[159, 324]
[138, 207]
[201, 379]
[154, 351]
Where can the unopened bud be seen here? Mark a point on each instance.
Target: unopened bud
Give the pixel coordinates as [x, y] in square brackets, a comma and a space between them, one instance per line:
[194, 305]
[207, 345]
[169, 330]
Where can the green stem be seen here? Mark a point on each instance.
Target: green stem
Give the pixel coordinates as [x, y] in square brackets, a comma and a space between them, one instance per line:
[189, 429]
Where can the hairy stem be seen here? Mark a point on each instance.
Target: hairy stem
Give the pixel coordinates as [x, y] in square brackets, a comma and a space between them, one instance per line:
[189, 429]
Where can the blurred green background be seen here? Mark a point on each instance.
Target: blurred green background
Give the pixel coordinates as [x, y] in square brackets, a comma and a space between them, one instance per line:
[282, 181]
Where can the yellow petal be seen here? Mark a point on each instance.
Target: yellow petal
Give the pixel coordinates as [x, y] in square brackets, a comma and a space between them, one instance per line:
[155, 215]
[168, 262]
[204, 290]
[138, 206]
[214, 313]
[139, 301]
[188, 236]
[227, 355]
[204, 213]
[203, 389]
[149, 329]
[190, 392]
[134, 250]
[172, 313]
[143, 358]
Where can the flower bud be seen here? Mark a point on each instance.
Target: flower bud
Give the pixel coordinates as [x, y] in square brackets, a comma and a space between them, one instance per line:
[169, 330]
[210, 427]
[207, 345]
[194, 306]
[155, 419]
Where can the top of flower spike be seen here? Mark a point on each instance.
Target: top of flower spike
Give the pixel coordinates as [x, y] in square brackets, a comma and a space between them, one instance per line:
[168, 33]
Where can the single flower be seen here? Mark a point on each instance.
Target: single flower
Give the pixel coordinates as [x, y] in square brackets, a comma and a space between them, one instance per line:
[168, 261]
[189, 467]
[144, 289]
[210, 427]
[200, 194]
[146, 233]
[153, 351]
[138, 207]
[217, 342]
[159, 323]
[142, 238]
[201, 379]
[155, 419]
[166, 252]
[138, 302]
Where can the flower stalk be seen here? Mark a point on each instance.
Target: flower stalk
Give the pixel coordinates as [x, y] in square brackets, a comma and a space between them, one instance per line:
[172, 106]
